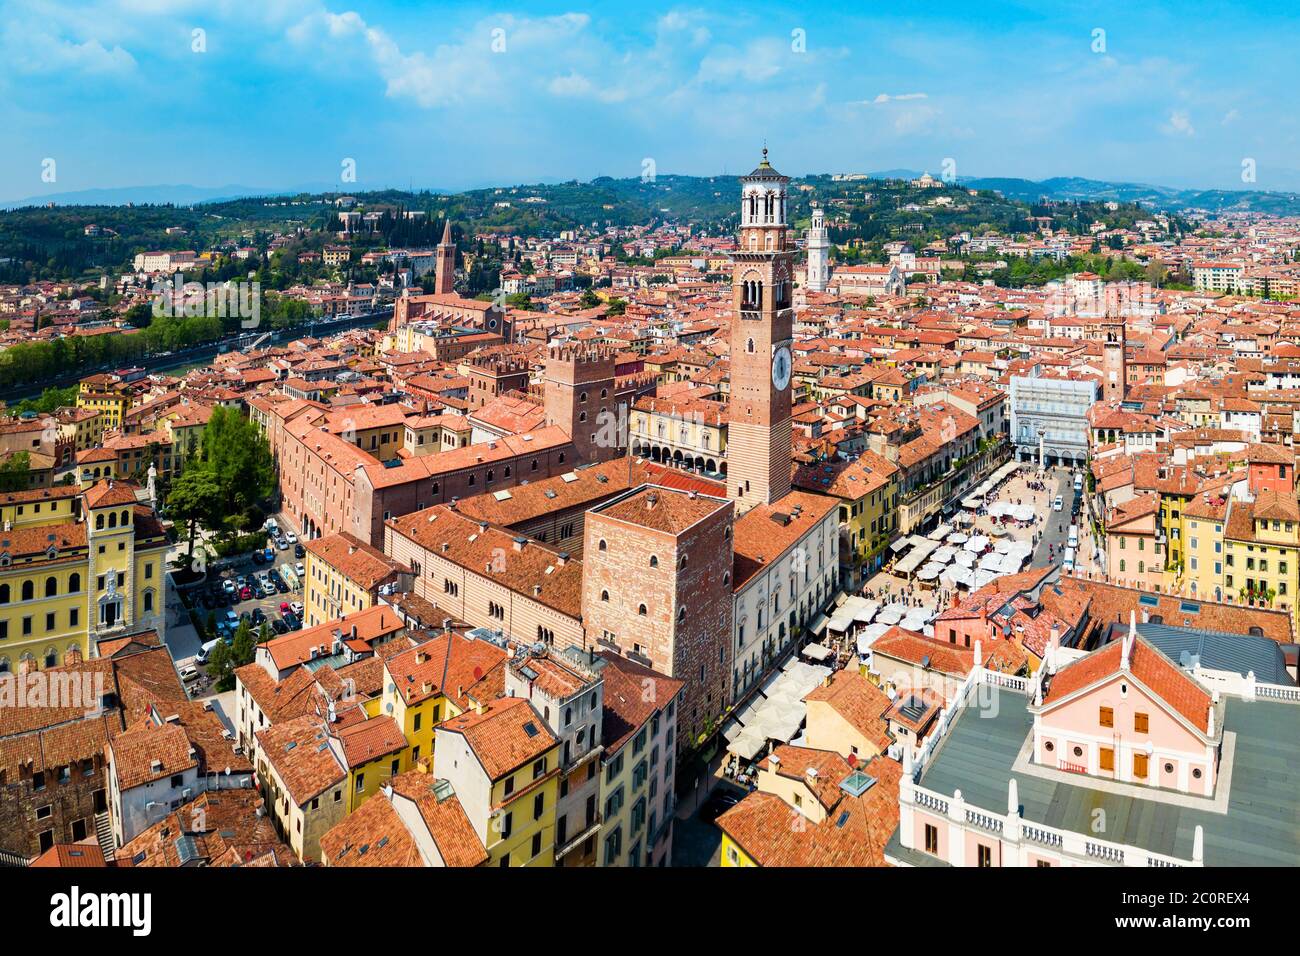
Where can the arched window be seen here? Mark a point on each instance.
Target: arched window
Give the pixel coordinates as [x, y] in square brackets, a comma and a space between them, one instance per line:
[148, 602]
[4, 594]
[112, 520]
[582, 416]
[51, 586]
[602, 545]
[582, 397]
[74, 582]
[29, 591]
[641, 609]
[604, 595]
[99, 522]
[654, 561]
[681, 615]
[749, 346]
[1121, 565]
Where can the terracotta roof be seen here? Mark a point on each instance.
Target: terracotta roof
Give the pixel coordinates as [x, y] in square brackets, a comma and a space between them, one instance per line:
[507, 735]
[1148, 666]
[858, 701]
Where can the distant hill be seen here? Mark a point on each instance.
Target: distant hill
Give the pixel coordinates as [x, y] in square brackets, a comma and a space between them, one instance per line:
[174, 195]
[1158, 197]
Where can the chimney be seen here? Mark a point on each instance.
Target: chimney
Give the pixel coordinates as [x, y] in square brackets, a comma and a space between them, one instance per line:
[1126, 653]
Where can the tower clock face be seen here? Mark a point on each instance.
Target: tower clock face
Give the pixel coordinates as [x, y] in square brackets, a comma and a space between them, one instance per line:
[781, 368]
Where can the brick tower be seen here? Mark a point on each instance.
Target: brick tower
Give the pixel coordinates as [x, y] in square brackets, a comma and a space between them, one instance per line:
[579, 397]
[1113, 363]
[759, 434]
[445, 276]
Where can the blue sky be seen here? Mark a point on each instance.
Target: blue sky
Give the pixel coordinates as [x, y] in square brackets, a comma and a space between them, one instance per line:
[284, 90]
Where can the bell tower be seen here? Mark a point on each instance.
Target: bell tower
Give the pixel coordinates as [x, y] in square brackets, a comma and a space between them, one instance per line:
[444, 278]
[1114, 363]
[762, 318]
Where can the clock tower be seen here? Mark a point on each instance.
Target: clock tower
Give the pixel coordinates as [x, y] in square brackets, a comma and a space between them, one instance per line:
[762, 316]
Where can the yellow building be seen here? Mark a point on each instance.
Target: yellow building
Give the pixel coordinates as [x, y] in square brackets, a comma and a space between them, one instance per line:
[104, 394]
[868, 490]
[504, 764]
[1204, 550]
[684, 432]
[432, 682]
[76, 567]
[1262, 544]
[345, 575]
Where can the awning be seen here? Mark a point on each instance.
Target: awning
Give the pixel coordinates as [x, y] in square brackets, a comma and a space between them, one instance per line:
[819, 623]
[817, 652]
[901, 545]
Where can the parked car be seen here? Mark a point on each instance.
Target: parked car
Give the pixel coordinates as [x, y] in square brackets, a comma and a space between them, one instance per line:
[291, 538]
[245, 593]
[268, 587]
[296, 607]
[282, 544]
[1058, 503]
[279, 626]
[259, 557]
[269, 555]
[285, 608]
[291, 622]
[228, 586]
[299, 551]
[302, 571]
[258, 615]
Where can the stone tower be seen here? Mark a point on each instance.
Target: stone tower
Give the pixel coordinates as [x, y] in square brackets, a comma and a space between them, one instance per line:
[1114, 365]
[818, 245]
[762, 317]
[579, 397]
[445, 276]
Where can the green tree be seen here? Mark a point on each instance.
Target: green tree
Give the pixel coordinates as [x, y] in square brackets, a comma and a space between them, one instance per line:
[196, 498]
[238, 457]
[14, 472]
[221, 666]
[242, 648]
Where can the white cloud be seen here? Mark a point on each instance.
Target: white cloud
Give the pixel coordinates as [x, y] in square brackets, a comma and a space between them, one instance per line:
[577, 85]
[1230, 117]
[1179, 123]
[899, 97]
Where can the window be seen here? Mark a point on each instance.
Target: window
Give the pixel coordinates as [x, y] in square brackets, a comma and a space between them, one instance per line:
[931, 838]
[539, 807]
[1140, 766]
[539, 768]
[1106, 758]
[1140, 723]
[985, 856]
[537, 843]
[1107, 717]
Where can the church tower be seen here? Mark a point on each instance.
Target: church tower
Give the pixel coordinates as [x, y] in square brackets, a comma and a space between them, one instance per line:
[818, 245]
[445, 276]
[1114, 364]
[762, 317]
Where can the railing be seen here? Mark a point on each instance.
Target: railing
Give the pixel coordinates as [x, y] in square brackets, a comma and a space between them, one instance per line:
[930, 801]
[12, 859]
[1106, 852]
[984, 820]
[1048, 838]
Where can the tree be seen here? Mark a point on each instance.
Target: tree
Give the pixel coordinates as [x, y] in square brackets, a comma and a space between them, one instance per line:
[237, 456]
[14, 472]
[221, 666]
[196, 499]
[242, 648]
